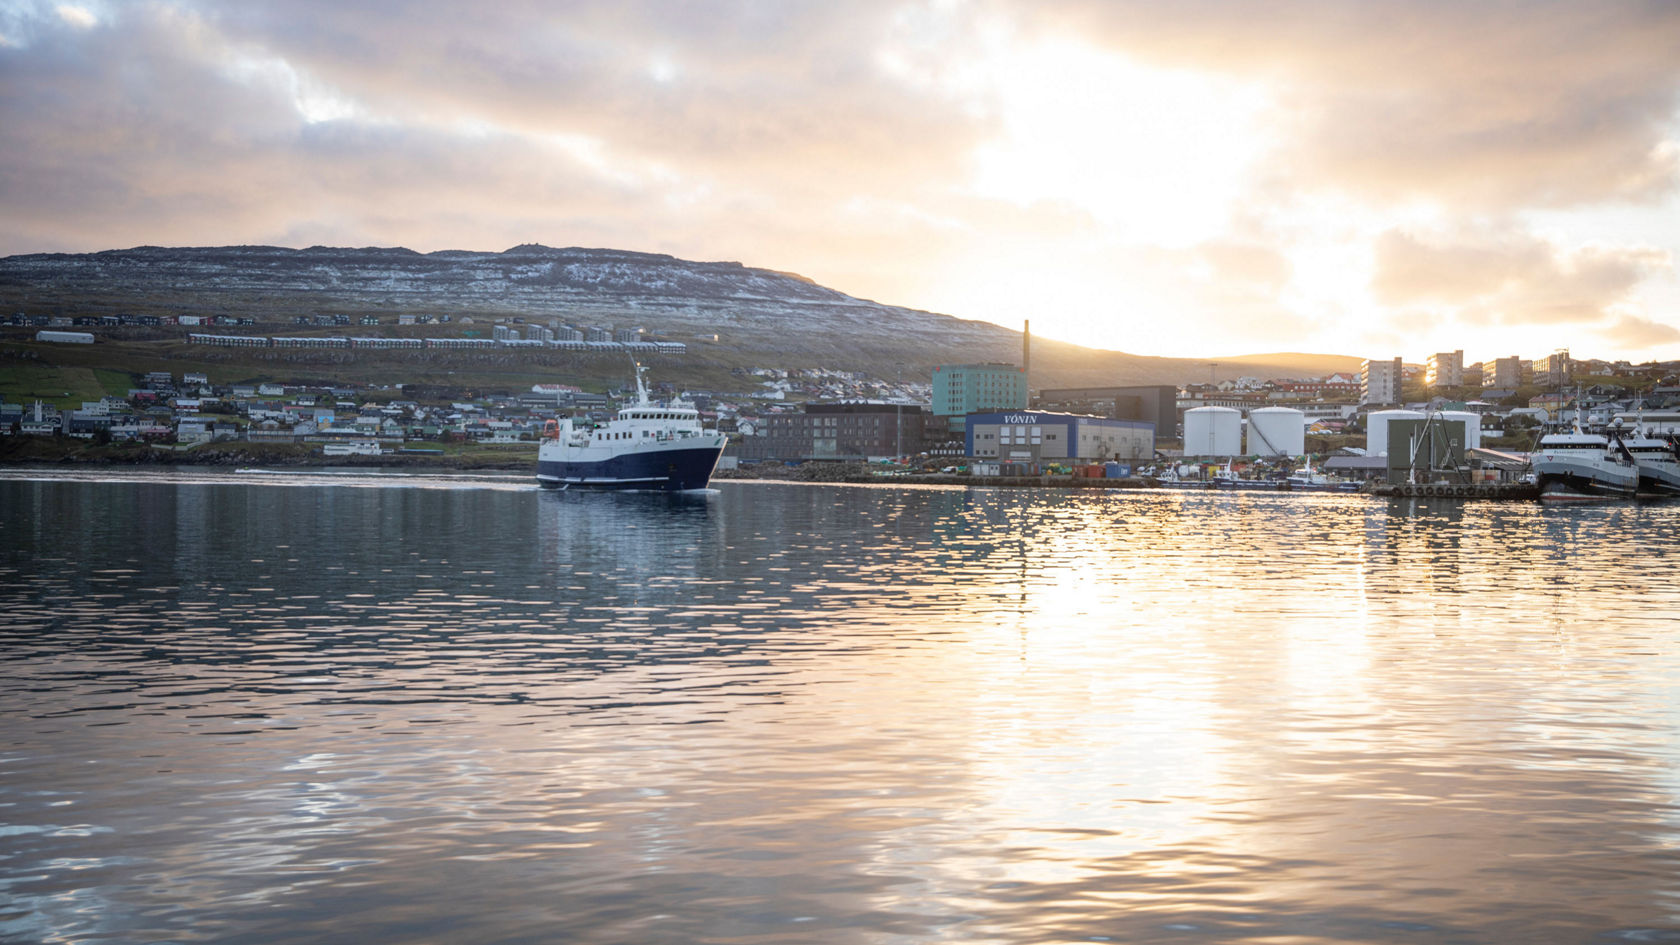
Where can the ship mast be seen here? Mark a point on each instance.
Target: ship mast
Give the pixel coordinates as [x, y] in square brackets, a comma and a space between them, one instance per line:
[641, 386]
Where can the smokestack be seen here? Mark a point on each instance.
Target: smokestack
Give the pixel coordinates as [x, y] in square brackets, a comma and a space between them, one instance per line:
[1026, 349]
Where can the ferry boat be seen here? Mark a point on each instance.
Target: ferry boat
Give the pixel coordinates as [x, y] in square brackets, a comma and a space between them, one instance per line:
[647, 446]
[1580, 465]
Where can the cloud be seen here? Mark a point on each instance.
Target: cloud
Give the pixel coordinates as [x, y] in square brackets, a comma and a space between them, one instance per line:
[1508, 277]
[714, 132]
[1630, 332]
[766, 92]
[849, 142]
[1245, 264]
[1479, 106]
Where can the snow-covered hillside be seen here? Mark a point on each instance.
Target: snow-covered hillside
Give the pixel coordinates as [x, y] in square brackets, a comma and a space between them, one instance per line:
[757, 316]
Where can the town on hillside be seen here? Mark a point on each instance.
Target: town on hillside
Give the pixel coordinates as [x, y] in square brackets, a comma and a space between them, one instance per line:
[986, 416]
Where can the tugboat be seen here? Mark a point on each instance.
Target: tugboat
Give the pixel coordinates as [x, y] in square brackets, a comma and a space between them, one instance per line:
[649, 446]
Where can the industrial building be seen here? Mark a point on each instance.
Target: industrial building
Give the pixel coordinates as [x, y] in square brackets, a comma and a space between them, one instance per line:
[1032, 436]
[1430, 444]
[65, 337]
[853, 432]
[1383, 436]
[1157, 404]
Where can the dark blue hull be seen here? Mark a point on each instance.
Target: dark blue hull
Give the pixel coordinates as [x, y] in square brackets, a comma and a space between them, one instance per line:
[1567, 485]
[662, 471]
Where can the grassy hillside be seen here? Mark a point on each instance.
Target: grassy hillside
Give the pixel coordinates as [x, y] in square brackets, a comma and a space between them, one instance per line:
[68, 374]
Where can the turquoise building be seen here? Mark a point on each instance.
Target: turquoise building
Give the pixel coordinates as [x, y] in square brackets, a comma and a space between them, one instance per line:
[962, 389]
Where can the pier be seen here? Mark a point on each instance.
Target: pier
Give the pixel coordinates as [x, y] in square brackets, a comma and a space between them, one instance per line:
[1517, 491]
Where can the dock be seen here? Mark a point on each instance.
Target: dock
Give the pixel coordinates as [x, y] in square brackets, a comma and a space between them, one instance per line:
[1504, 491]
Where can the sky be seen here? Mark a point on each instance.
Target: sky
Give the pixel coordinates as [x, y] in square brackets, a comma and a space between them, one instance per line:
[1192, 178]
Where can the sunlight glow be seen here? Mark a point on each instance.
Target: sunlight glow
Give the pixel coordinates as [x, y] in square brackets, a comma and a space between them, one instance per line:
[1154, 155]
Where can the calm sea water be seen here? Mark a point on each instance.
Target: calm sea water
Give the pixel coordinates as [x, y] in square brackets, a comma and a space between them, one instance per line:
[374, 709]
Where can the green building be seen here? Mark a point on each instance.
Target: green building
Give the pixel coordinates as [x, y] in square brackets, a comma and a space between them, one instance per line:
[962, 389]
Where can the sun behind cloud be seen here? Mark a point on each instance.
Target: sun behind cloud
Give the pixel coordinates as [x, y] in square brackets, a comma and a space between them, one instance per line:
[1176, 179]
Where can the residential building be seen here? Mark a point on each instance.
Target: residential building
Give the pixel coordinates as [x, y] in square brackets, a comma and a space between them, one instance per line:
[1335, 385]
[1379, 381]
[1555, 370]
[1503, 373]
[1445, 369]
[962, 389]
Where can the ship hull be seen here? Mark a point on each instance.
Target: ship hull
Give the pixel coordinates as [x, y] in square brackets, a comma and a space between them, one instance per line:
[1660, 482]
[669, 470]
[1564, 479]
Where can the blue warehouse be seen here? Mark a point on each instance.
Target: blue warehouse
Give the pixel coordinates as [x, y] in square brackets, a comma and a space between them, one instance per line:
[1034, 435]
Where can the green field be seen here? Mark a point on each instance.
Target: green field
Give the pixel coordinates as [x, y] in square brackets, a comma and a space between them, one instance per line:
[67, 374]
[61, 385]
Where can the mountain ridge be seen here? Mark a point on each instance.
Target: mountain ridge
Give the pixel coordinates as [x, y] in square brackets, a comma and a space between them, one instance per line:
[724, 309]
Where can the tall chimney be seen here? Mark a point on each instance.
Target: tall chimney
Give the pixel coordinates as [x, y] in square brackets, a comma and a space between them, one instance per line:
[1026, 349]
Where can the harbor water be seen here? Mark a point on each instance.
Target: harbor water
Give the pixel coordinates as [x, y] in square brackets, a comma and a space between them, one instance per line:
[318, 707]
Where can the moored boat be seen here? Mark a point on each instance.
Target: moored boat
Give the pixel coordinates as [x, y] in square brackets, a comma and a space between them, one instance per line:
[1658, 461]
[647, 446]
[1308, 479]
[1580, 465]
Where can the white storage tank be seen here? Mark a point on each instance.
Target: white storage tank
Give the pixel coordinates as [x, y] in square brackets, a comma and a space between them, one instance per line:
[1277, 431]
[1376, 428]
[1472, 426]
[1212, 431]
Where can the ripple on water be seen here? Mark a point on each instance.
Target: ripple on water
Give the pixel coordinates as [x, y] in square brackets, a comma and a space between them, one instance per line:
[304, 711]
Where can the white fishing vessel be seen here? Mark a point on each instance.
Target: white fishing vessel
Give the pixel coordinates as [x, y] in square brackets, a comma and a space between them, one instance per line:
[1309, 479]
[1581, 465]
[647, 446]
[1657, 459]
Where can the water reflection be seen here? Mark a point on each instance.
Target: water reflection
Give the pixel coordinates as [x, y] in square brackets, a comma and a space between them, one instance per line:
[245, 710]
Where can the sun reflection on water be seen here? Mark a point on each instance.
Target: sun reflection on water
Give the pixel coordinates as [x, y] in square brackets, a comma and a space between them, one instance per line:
[834, 714]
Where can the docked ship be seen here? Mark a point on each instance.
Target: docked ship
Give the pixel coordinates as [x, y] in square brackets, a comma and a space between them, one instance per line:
[1658, 461]
[1580, 465]
[647, 446]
